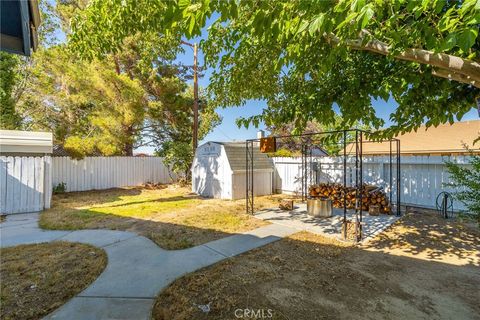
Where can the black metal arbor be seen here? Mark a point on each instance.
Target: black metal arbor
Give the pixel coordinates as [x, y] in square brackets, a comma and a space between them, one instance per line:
[309, 144]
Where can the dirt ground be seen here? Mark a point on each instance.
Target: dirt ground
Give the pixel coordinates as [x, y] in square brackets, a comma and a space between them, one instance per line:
[38, 278]
[170, 215]
[422, 267]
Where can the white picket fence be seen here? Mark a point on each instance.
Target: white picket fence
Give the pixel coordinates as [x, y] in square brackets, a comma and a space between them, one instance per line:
[422, 177]
[96, 173]
[25, 184]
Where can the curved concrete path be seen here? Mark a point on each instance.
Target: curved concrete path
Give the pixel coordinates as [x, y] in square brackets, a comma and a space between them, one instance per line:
[137, 268]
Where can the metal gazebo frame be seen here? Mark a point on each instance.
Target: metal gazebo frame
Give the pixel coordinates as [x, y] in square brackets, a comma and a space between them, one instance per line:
[356, 140]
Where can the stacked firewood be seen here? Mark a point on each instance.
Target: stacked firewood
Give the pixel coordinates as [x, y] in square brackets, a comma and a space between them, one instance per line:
[373, 197]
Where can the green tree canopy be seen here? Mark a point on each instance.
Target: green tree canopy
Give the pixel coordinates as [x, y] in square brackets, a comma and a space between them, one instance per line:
[305, 57]
[89, 107]
[9, 118]
[110, 105]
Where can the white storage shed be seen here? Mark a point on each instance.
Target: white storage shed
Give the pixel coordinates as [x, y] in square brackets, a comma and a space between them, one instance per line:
[25, 171]
[218, 171]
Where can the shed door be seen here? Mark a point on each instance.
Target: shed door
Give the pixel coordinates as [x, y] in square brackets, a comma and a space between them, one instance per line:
[24, 184]
[207, 182]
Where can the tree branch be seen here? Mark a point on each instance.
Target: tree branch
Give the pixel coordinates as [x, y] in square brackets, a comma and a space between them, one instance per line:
[454, 76]
[469, 70]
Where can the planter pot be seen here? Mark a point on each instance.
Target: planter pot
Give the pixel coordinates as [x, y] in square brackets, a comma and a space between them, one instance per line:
[319, 207]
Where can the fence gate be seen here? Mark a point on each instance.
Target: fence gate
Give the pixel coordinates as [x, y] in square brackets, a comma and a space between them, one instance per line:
[25, 184]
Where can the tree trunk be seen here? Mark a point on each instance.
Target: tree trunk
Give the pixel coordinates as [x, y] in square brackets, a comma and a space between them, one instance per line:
[117, 64]
[128, 146]
[128, 149]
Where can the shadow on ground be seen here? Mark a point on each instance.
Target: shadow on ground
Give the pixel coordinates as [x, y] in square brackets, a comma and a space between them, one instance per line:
[307, 276]
[173, 221]
[430, 236]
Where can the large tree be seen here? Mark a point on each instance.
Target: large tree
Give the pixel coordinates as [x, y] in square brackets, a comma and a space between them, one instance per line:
[308, 57]
[88, 106]
[9, 118]
[134, 97]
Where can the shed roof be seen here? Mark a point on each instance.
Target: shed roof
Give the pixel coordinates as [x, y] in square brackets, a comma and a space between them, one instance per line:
[236, 154]
[25, 142]
[444, 139]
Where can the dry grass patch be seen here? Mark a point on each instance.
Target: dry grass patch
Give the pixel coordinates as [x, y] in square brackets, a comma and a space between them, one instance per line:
[308, 276]
[170, 216]
[38, 278]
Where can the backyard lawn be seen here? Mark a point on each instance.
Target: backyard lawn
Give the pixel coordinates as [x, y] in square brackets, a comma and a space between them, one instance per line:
[423, 267]
[170, 215]
[38, 278]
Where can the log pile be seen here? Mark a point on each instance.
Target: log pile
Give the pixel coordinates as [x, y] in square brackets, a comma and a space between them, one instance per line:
[153, 186]
[352, 231]
[371, 196]
[286, 204]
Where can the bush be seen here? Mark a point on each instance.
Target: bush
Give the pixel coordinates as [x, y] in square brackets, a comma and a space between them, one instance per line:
[466, 182]
[178, 156]
[284, 152]
[60, 188]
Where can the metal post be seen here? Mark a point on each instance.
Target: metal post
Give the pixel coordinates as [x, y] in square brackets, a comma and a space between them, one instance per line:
[361, 181]
[246, 178]
[344, 177]
[398, 178]
[304, 172]
[356, 186]
[390, 185]
[195, 97]
[356, 170]
[252, 176]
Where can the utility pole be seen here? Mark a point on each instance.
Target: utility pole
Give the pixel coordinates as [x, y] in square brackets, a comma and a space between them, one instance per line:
[195, 94]
[195, 99]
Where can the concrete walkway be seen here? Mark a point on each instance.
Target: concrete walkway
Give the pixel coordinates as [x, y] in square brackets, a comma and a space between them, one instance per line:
[137, 268]
[330, 227]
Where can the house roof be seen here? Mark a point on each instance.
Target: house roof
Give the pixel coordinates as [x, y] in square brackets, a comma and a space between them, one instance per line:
[25, 142]
[236, 155]
[60, 151]
[444, 139]
[19, 22]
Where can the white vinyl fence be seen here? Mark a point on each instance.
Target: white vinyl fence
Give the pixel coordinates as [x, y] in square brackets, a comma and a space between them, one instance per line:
[95, 173]
[422, 177]
[25, 184]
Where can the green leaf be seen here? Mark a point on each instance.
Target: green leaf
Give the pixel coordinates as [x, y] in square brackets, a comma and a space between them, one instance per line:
[367, 16]
[357, 5]
[349, 18]
[466, 39]
[341, 6]
[303, 26]
[258, 21]
[439, 5]
[182, 4]
[191, 25]
[316, 25]
[449, 42]
[475, 20]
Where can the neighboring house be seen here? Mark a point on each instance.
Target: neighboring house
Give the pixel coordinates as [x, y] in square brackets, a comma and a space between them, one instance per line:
[60, 151]
[443, 140]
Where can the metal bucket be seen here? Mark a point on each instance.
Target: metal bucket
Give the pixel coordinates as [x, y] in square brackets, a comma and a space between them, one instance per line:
[319, 207]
